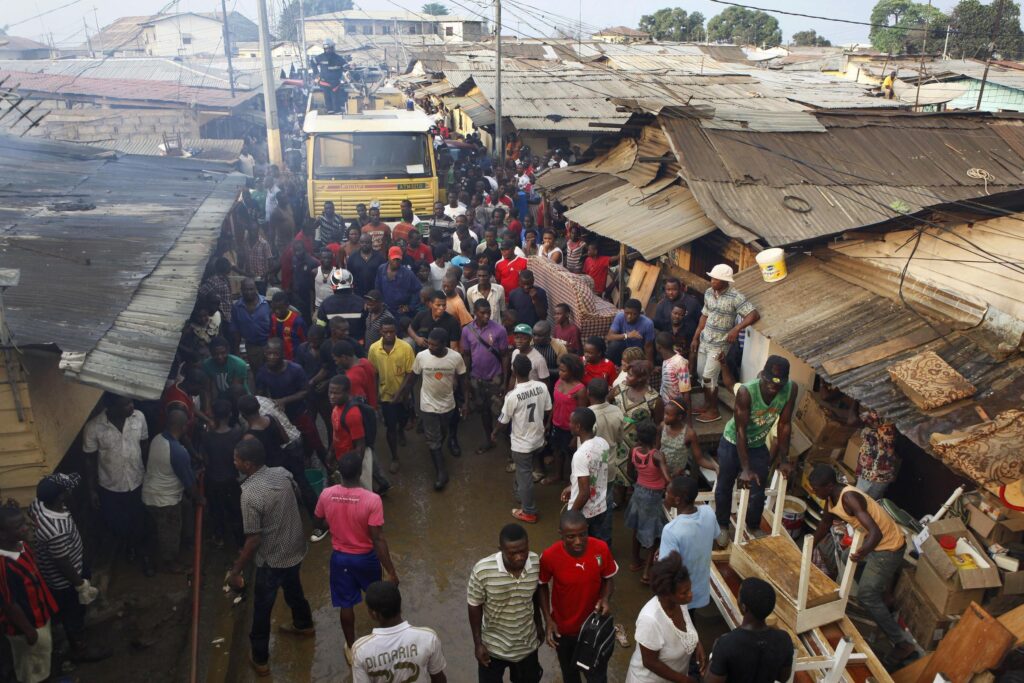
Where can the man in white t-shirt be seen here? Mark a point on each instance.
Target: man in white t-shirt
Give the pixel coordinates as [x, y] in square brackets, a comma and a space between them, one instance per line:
[528, 408]
[588, 477]
[522, 335]
[396, 650]
[440, 367]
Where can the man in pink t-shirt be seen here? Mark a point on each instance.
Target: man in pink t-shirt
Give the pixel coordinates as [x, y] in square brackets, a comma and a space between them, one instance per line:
[355, 518]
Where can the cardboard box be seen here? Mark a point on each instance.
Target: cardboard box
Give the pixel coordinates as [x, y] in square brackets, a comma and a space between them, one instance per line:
[951, 589]
[852, 451]
[1013, 583]
[820, 424]
[1003, 531]
[918, 614]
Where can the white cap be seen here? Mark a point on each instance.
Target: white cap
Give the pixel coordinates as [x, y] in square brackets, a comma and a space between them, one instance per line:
[721, 272]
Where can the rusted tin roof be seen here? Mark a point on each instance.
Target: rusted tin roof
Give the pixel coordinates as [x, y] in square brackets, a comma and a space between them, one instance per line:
[864, 169]
[112, 285]
[819, 316]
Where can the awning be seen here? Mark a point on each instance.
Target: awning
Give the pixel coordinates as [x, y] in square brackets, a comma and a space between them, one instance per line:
[651, 220]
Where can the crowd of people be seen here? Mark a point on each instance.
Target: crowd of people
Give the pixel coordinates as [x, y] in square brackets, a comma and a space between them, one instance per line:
[345, 327]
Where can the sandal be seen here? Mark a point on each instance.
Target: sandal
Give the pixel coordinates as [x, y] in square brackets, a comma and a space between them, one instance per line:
[548, 480]
[489, 446]
[620, 635]
[705, 420]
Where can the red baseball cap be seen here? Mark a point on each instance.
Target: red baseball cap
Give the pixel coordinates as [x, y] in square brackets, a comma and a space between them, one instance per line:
[394, 252]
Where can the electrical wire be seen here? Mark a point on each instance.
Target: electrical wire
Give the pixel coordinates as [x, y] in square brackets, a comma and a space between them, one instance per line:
[43, 14]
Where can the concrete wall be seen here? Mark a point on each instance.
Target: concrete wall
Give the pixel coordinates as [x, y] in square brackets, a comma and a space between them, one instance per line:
[461, 31]
[167, 38]
[97, 124]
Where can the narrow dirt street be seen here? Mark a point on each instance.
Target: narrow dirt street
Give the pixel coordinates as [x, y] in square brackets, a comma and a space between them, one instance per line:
[435, 539]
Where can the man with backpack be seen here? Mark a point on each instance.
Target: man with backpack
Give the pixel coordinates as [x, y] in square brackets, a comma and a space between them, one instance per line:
[575, 585]
[362, 394]
[348, 430]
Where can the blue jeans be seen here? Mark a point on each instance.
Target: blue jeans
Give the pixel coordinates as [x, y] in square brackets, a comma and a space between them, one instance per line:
[877, 576]
[264, 593]
[875, 489]
[600, 526]
[729, 470]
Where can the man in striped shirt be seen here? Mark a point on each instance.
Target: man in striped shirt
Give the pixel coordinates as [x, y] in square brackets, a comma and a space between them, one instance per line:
[504, 610]
[59, 555]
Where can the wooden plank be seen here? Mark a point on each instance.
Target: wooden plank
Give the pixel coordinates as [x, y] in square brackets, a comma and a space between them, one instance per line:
[642, 280]
[911, 673]
[857, 359]
[977, 643]
[778, 559]
[1014, 622]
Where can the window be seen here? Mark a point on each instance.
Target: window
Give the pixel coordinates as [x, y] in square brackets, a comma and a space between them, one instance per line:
[368, 30]
[386, 28]
[414, 29]
[186, 39]
[371, 155]
[350, 28]
[449, 30]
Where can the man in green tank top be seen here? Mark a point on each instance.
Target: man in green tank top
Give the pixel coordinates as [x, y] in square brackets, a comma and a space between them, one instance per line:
[743, 456]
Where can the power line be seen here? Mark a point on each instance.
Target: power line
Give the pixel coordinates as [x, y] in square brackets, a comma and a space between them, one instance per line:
[43, 14]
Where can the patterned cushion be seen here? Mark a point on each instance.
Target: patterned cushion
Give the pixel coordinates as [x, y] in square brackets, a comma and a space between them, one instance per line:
[989, 453]
[592, 313]
[929, 381]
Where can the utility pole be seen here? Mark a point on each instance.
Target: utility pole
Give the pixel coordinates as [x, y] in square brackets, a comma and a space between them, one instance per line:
[96, 18]
[227, 46]
[920, 69]
[88, 41]
[945, 45]
[498, 139]
[269, 91]
[991, 51]
[302, 39]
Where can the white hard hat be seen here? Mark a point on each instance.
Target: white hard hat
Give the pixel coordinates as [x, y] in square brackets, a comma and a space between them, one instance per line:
[328, 42]
[341, 279]
[721, 272]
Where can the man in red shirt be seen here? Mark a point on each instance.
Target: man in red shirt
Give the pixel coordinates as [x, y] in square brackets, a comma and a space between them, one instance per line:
[359, 371]
[595, 364]
[509, 267]
[597, 267]
[349, 437]
[416, 251]
[575, 580]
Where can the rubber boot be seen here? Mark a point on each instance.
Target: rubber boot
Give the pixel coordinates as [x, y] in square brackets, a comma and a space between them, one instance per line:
[437, 456]
[453, 446]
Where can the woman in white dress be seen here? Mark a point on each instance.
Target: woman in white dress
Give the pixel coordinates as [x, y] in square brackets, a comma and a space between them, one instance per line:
[665, 636]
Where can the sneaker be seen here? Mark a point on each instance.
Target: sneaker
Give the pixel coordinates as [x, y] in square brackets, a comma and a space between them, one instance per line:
[295, 630]
[319, 535]
[524, 516]
[723, 539]
[510, 467]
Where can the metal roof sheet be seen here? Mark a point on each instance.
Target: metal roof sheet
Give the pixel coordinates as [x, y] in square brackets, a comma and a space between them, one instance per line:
[863, 170]
[842, 317]
[123, 90]
[198, 74]
[197, 148]
[652, 222]
[574, 188]
[123, 274]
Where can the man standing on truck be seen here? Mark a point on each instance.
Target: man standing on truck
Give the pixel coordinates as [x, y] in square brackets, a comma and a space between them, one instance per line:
[330, 70]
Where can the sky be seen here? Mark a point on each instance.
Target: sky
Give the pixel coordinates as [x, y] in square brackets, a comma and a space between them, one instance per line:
[67, 28]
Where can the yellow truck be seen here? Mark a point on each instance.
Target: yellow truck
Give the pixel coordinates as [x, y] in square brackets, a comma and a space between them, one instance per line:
[380, 155]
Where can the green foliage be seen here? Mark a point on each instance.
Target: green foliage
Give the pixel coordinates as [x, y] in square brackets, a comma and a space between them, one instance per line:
[970, 29]
[745, 27]
[810, 39]
[288, 23]
[673, 24]
[906, 24]
[434, 9]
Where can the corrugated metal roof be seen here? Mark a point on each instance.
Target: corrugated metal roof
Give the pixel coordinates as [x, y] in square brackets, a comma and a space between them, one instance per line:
[155, 221]
[123, 90]
[198, 148]
[198, 74]
[841, 318]
[652, 222]
[865, 169]
[574, 188]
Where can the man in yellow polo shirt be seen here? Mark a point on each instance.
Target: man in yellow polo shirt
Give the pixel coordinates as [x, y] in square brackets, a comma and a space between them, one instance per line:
[392, 358]
[881, 552]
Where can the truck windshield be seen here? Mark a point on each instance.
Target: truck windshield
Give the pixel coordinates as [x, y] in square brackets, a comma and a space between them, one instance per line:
[370, 155]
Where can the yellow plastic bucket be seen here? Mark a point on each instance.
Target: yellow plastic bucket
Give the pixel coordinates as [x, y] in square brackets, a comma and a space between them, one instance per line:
[773, 264]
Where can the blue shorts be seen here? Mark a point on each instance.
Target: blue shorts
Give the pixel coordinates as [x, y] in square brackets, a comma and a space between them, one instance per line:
[350, 576]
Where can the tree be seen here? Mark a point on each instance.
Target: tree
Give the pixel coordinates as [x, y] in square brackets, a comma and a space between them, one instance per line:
[970, 29]
[745, 27]
[901, 26]
[435, 9]
[810, 39]
[288, 23]
[673, 24]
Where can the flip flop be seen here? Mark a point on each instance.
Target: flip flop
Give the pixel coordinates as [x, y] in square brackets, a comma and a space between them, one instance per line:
[636, 566]
[706, 420]
[547, 481]
[620, 635]
[489, 446]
